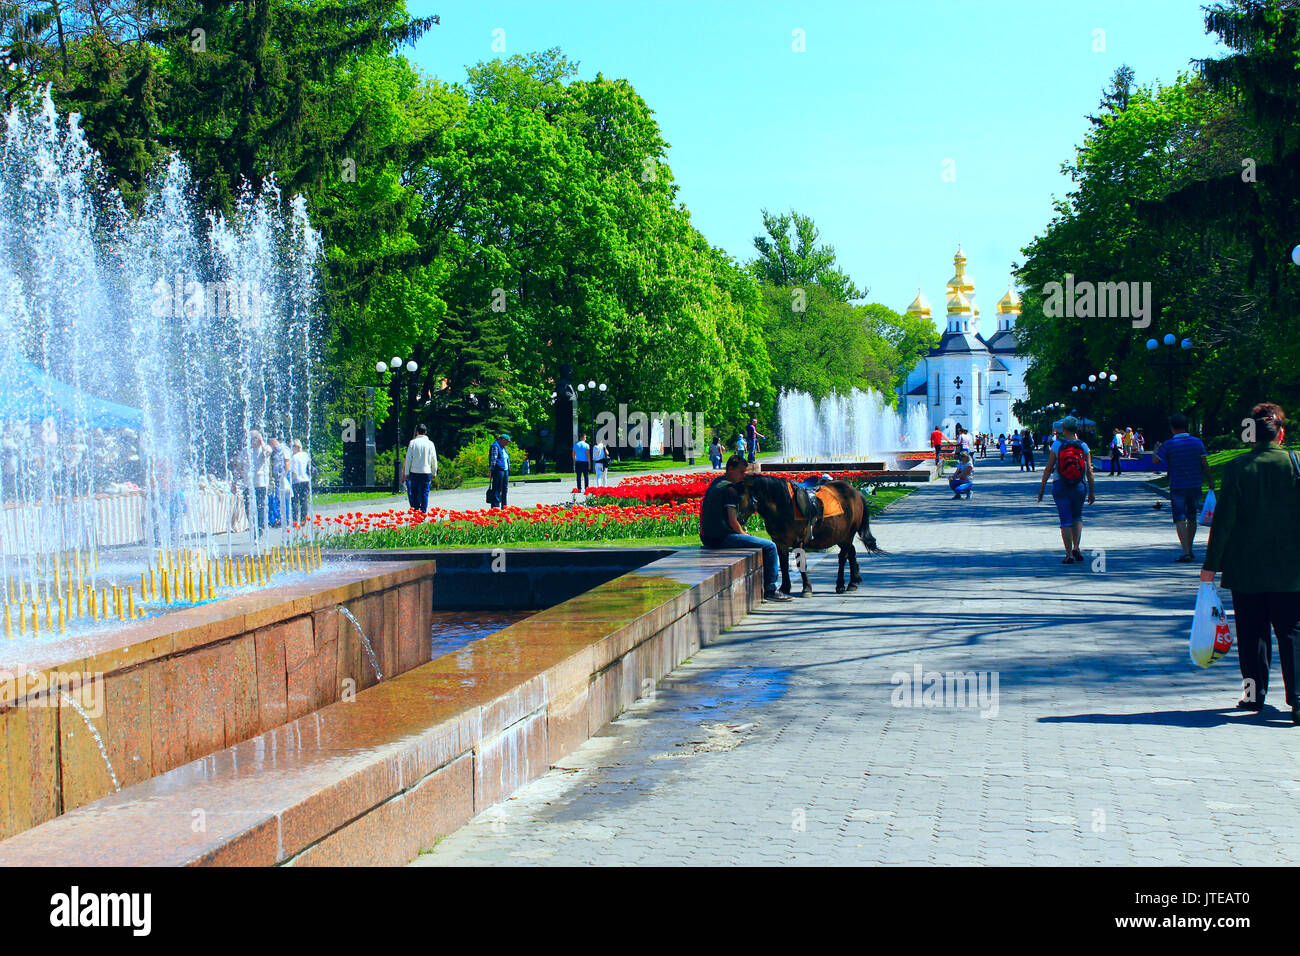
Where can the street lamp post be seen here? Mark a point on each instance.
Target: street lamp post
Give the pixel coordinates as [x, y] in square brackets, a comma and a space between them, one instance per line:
[411, 367]
[592, 389]
[1172, 365]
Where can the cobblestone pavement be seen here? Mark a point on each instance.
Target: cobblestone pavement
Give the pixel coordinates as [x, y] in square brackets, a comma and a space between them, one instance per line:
[786, 741]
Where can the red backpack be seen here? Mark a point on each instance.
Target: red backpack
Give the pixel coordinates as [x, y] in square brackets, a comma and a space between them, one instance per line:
[1072, 461]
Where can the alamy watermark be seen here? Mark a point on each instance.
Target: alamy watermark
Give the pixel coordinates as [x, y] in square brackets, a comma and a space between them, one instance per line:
[1100, 300]
[977, 689]
[45, 689]
[681, 429]
[214, 299]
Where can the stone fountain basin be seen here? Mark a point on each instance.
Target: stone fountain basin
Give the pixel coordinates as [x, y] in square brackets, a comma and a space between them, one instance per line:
[169, 689]
[373, 780]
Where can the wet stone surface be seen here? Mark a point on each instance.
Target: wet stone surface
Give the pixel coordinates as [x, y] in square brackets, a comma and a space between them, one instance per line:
[452, 630]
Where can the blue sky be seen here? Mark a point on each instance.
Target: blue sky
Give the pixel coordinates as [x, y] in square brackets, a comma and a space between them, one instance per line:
[859, 129]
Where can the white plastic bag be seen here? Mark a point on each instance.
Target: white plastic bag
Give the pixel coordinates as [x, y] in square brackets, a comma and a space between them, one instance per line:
[1207, 510]
[1211, 637]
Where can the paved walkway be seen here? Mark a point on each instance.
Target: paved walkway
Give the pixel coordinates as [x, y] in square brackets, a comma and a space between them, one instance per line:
[784, 742]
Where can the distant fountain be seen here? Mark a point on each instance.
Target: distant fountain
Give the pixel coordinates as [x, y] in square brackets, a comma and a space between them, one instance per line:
[853, 427]
[137, 351]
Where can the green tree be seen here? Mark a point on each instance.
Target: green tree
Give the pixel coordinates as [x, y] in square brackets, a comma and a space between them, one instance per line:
[797, 260]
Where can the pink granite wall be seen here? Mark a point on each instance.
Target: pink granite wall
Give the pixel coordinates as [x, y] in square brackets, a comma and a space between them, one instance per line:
[168, 690]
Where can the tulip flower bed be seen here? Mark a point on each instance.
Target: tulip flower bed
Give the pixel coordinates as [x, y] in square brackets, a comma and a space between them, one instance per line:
[440, 527]
[647, 489]
[638, 507]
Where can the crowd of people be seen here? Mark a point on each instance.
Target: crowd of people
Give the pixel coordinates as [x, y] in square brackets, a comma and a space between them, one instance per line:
[275, 477]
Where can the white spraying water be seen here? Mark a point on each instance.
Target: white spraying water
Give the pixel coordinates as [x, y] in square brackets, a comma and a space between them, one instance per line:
[137, 350]
[853, 427]
[99, 741]
[365, 641]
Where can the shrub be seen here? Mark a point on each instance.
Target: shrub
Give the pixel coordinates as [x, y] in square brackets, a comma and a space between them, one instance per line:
[472, 459]
[450, 474]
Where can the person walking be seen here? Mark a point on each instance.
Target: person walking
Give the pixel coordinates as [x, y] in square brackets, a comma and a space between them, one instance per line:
[300, 478]
[740, 444]
[1187, 464]
[979, 445]
[582, 463]
[963, 479]
[279, 489]
[1002, 447]
[1128, 442]
[600, 461]
[1071, 461]
[1116, 449]
[715, 453]
[499, 471]
[936, 442]
[254, 466]
[964, 442]
[752, 435]
[720, 525]
[1255, 543]
[1027, 450]
[421, 466]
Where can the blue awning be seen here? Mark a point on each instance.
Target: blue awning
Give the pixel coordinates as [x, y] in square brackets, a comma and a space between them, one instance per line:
[28, 393]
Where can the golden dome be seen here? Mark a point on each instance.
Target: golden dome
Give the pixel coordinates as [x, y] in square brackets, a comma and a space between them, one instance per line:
[920, 305]
[1009, 303]
[958, 304]
[961, 281]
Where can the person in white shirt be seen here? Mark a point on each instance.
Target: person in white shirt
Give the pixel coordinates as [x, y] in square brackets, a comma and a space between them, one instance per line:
[300, 478]
[600, 461]
[253, 465]
[281, 491]
[582, 462]
[421, 468]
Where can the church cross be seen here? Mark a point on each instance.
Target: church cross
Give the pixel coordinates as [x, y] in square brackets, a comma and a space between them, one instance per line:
[957, 381]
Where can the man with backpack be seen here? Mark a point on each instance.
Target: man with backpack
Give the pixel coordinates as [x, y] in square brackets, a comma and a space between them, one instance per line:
[1071, 460]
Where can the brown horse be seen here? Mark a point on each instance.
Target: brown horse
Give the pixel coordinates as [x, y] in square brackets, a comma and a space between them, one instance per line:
[796, 518]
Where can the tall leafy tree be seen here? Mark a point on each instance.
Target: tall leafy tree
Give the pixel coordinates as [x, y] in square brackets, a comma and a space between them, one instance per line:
[789, 255]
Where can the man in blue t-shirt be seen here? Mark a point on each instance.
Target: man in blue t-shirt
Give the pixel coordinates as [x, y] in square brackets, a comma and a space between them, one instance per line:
[1184, 458]
[582, 462]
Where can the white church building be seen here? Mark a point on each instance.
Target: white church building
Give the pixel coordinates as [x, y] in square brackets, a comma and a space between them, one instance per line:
[966, 379]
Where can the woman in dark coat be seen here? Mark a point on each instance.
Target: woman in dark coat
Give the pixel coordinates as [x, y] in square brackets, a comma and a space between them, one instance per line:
[1255, 542]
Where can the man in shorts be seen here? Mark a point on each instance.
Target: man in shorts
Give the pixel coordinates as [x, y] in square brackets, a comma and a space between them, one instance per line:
[1184, 457]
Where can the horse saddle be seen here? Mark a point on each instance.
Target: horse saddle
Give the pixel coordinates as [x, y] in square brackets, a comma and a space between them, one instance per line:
[824, 504]
[806, 505]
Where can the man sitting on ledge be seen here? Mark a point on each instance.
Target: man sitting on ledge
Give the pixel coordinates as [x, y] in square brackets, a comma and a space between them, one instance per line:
[720, 526]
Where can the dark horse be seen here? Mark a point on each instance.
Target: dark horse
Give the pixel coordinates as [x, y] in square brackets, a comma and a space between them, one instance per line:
[795, 518]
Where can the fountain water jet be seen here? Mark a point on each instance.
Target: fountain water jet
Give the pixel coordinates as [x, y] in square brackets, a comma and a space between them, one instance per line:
[852, 427]
[136, 353]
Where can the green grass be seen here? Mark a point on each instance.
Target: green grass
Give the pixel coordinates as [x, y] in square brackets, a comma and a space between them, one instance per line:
[342, 497]
[884, 497]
